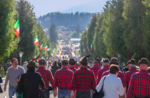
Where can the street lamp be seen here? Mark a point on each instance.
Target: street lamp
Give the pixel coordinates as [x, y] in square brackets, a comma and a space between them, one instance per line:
[20, 55]
[119, 57]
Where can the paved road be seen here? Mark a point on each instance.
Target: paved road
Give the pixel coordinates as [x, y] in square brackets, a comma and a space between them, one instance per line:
[2, 95]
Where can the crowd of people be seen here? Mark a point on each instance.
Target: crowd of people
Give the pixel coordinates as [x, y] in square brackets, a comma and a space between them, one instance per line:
[68, 79]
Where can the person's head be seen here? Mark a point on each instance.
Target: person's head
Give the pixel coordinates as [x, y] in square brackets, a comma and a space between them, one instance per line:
[106, 62]
[64, 63]
[148, 69]
[59, 61]
[26, 63]
[31, 66]
[72, 62]
[55, 63]
[131, 64]
[125, 69]
[114, 60]
[84, 61]
[14, 62]
[42, 63]
[114, 69]
[49, 63]
[97, 61]
[143, 64]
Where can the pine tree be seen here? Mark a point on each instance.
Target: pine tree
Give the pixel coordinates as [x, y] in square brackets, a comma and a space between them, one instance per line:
[134, 14]
[28, 29]
[53, 34]
[91, 31]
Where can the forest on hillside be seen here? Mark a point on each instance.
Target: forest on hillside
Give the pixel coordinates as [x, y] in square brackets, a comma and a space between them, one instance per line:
[69, 20]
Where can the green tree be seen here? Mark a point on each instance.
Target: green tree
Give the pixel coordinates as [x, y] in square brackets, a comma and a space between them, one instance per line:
[99, 47]
[91, 31]
[134, 15]
[53, 34]
[7, 35]
[28, 29]
[78, 29]
[113, 35]
[74, 35]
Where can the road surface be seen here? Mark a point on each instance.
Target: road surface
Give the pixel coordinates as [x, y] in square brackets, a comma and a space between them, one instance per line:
[2, 95]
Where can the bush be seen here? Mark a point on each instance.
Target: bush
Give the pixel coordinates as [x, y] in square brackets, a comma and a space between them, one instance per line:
[2, 72]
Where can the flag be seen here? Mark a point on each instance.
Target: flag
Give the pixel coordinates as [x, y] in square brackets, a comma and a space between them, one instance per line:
[36, 42]
[103, 59]
[46, 47]
[52, 55]
[41, 46]
[17, 28]
[91, 47]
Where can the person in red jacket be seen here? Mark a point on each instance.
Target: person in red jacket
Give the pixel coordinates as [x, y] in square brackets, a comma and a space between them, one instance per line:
[63, 80]
[83, 80]
[103, 69]
[132, 70]
[96, 67]
[139, 86]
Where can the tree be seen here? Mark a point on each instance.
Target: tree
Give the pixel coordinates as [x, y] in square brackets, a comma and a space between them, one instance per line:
[7, 36]
[134, 15]
[28, 29]
[78, 29]
[91, 31]
[53, 34]
[74, 35]
[99, 47]
[113, 25]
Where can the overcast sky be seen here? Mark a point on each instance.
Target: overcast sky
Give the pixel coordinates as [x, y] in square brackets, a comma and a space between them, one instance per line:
[45, 6]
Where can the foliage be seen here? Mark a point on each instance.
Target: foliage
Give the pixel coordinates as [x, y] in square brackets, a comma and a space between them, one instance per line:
[53, 34]
[74, 34]
[78, 29]
[7, 36]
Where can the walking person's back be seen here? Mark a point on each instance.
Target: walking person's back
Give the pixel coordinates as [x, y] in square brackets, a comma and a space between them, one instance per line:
[30, 81]
[112, 88]
[54, 68]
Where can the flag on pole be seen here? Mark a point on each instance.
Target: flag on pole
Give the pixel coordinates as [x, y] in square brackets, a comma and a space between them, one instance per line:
[91, 46]
[36, 42]
[17, 28]
[41, 46]
[46, 47]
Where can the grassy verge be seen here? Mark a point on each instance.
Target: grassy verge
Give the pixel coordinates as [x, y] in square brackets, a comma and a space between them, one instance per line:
[2, 72]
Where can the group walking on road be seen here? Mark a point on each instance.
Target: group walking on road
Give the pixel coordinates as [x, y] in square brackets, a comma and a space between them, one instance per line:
[67, 79]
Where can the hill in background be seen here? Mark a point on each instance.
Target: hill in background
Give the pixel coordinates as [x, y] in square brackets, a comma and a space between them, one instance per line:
[68, 20]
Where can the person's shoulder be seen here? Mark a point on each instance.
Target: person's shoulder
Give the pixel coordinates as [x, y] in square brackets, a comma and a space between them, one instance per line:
[20, 67]
[11, 67]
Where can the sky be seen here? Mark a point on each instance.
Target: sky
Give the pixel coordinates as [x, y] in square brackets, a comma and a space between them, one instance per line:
[42, 7]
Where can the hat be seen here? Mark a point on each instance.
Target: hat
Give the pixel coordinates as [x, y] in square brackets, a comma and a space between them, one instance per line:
[106, 60]
[132, 61]
[114, 60]
[72, 60]
[143, 61]
[84, 60]
[97, 60]
[64, 62]
[42, 61]
[31, 64]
